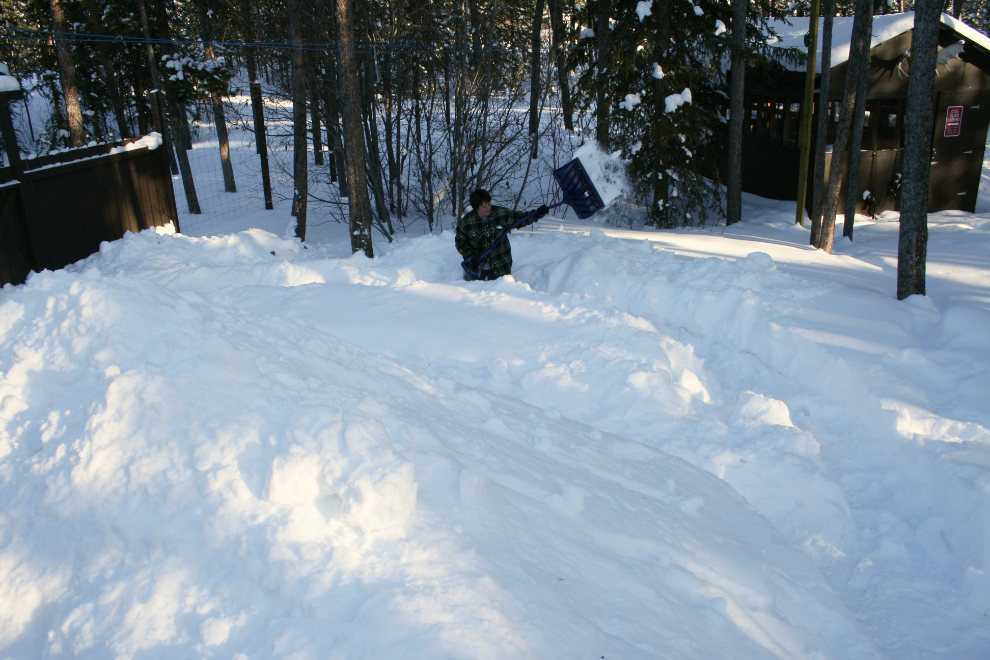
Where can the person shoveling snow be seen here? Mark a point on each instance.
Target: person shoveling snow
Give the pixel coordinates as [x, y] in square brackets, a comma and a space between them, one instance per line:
[480, 232]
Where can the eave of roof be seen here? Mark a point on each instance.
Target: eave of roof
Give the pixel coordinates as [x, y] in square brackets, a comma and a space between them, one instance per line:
[792, 30]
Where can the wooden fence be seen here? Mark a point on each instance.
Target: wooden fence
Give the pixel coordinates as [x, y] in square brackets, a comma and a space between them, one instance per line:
[57, 209]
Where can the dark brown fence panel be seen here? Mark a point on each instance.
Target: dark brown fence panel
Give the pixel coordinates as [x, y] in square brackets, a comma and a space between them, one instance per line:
[159, 200]
[877, 173]
[883, 178]
[15, 254]
[770, 170]
[67, 209]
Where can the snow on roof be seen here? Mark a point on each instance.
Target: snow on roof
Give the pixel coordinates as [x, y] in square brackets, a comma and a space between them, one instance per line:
[9, 84]
[792, 30]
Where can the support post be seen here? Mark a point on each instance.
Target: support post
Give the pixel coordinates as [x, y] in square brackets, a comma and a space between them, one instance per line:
[8, 134]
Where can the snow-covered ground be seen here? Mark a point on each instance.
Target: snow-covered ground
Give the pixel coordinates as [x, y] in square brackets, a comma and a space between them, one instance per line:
[681, 444]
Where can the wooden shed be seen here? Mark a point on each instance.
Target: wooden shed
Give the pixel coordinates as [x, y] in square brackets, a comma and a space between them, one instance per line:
[962, 115]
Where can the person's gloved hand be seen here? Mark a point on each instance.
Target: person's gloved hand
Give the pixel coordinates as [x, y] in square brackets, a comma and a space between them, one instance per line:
[472, 263]
[542, 211]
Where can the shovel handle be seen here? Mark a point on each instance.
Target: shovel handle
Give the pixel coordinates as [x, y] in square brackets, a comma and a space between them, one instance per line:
[477, 275]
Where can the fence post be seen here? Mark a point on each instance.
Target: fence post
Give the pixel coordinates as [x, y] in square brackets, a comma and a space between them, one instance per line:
[21, 221]
[7, 130]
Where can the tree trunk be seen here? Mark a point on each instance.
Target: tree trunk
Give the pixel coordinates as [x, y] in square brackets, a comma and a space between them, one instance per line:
[733, 202]
[560, 61]
[824, 105]
[116, 101]
[56, 93]
[957, 8]
[859, 48]
[859, 117]
[359, 204]
[142, 110]
[373, 161]
[182, 114]
[331, 90]
[912, 245]
[393, 138]
[534, 80]
[477, 26]
[459, 175]
[168, 105]
[257, 103]
[219, 117]
[300, 141]
[314, 110]
[371, 80]
[486, 96]
[157, 103]
[177, 115]
[602, 30]
[188, 183]
[67, 73]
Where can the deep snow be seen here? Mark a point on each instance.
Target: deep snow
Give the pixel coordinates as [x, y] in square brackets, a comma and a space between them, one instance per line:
[681, 444]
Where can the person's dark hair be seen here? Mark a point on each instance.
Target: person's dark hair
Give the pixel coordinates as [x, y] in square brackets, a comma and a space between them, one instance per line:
[479, 197]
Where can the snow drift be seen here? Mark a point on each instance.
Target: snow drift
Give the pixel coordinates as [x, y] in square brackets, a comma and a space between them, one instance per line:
[234, 447]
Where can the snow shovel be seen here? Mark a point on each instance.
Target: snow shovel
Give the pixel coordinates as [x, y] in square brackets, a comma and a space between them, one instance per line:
[579, 193]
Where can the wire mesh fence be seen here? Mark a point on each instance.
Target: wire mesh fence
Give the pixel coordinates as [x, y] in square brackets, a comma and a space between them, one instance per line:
[218, 206]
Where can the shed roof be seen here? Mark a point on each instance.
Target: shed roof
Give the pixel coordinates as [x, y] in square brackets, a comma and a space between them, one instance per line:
[792, 30]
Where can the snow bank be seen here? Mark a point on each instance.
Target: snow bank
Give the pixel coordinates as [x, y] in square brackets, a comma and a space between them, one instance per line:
[199, 460]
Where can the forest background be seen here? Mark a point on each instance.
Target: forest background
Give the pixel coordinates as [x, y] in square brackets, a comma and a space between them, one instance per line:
[420, 102]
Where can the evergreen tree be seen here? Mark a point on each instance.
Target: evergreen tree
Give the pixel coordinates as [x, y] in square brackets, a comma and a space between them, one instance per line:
[666, 86]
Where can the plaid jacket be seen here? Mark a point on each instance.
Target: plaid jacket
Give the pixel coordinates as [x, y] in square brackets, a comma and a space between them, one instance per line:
[475, 236]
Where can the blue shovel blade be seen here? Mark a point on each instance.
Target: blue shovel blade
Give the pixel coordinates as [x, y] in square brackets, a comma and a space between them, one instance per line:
[579, 191]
